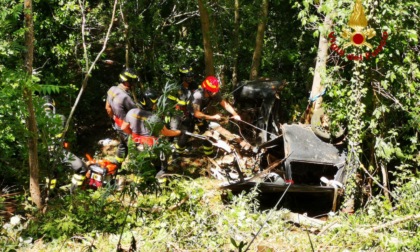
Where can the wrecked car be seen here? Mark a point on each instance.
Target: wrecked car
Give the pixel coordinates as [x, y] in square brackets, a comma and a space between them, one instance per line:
[298, 162]
[259, 102]
[292, 157]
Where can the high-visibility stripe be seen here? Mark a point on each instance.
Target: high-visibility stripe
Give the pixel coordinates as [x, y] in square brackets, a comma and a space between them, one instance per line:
[178, 101]
[112, 94]
[130, 75]
[52, 183]
[167, 119]
[182, 102]
[179, 149]
[119, 159]
[171, 97]
[77, 179]
[207, 150]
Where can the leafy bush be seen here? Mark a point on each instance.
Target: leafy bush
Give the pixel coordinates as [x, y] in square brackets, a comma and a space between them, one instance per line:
[382, 226]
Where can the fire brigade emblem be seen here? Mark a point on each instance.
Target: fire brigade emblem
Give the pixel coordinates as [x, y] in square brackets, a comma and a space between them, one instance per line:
[357, 36]
[358, 22]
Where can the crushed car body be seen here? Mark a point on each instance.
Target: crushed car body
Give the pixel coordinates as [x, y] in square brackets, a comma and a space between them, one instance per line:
[297, 160]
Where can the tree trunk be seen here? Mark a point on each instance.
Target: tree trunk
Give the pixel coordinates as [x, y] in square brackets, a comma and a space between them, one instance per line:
[385, 180]
[236, 46]
[27, 96]
[320, 66]
[126, 37]
[205, 28]
[259, 42]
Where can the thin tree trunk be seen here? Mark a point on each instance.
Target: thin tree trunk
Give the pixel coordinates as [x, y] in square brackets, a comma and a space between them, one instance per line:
[259, 42]
[236, 46]
[385, 179]
[320, 66]
[205, 28]
[126, 37]
[27, 96]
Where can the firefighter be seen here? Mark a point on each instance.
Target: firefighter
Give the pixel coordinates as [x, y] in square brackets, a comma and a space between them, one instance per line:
[201, 99]
[182, 98]
[119, 101]
[56, 148]
[144, 126]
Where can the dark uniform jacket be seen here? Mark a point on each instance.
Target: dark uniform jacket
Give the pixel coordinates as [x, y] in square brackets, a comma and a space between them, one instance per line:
[137, 118]
[199, 98]
[121, 102]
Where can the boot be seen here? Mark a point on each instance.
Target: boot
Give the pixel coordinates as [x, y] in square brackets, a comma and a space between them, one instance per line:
[161, 176]
[77, 181]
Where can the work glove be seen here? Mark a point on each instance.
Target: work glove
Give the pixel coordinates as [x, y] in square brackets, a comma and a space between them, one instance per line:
[236, 117]
[217, 117]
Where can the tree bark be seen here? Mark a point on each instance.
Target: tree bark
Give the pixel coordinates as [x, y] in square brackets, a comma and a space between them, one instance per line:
[205, 28]
[126, 36]
[385, 180]
[320, 66]
[259, 42]
[27, 96]
[236, 46]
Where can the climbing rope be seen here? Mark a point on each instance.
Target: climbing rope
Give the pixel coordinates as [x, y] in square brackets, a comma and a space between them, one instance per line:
[313, 99]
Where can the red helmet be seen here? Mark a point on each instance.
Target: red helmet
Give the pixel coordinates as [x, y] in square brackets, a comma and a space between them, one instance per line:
[211, 84]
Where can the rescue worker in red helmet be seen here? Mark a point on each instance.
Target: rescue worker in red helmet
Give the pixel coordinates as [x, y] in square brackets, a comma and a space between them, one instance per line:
[201, 99]
[182, 99]
[118, 102]
[139, 122]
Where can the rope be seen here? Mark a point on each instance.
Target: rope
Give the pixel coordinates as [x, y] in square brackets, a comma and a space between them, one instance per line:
[313, 99]
[240, 131]
[255, 127]
[238, 88]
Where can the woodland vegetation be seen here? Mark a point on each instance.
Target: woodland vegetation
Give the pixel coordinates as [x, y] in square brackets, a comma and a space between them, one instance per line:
[74, 51]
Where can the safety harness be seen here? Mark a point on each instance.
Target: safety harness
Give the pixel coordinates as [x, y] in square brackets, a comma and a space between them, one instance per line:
[147, 140]
[118, 121]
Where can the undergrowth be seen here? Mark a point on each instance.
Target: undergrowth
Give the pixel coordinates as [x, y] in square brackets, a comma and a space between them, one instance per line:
[186, 214]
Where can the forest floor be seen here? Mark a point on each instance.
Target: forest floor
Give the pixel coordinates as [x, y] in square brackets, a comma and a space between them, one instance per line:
[197, 215]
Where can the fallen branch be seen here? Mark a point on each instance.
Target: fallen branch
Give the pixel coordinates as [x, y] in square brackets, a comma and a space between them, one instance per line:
[331, 225]
[171, 208]
[375, 180]
[9, 195]
[335, 225]
[392, 223]
[303, 220]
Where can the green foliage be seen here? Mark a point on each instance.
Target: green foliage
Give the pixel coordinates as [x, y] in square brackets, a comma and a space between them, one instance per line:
[11, 32]
[377, 99]
[370, 96]
[12, 128]
[82, 212]
[399, 232]
[13, 133]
